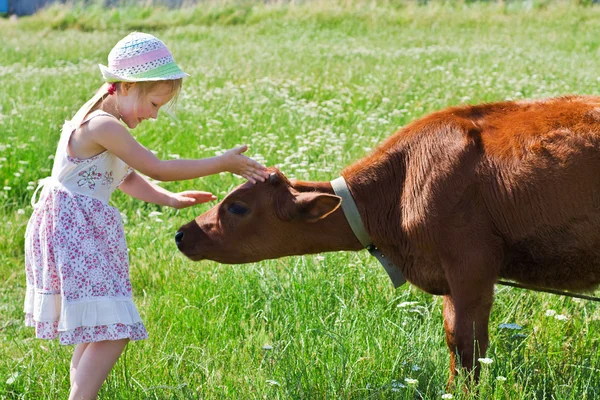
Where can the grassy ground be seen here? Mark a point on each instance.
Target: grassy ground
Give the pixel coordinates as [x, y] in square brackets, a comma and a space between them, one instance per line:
[310, 88]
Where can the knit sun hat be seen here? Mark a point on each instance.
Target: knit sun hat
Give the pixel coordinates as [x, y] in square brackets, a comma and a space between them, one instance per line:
[140, 57]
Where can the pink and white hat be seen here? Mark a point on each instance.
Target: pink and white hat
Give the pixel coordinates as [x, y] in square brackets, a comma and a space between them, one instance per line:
[140, 57]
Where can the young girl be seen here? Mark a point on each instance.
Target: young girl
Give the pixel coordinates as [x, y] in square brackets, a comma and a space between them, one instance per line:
[78, 286]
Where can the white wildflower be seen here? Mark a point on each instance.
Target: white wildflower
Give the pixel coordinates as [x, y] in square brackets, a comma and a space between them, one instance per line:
[561, 317]
[7, 188]
[20, 211]
[447, 396]
[500, 378]
[154, 214]
[550, 313]
[486, 361]
[407, 304]
[12, 378]
[411, 381]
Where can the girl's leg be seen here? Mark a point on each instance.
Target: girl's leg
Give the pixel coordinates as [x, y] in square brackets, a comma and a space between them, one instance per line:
[77, 353]
[94, 366]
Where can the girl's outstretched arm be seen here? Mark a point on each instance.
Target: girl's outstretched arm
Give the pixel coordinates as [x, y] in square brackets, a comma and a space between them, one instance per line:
[111, 135]
[141, 188]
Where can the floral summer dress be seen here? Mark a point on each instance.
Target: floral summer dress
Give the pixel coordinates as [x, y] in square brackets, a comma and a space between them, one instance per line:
[76, 260]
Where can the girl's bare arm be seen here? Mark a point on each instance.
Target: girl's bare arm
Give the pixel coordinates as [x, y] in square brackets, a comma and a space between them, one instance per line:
[110, 134]
[141, 188]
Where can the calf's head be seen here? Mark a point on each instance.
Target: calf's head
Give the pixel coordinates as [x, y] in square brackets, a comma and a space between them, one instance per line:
[266, 220]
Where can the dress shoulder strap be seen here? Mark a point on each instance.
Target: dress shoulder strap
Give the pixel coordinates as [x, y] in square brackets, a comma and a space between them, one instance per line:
[68, 129]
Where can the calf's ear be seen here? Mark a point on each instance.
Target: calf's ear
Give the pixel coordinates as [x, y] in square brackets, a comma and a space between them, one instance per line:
[312, 207]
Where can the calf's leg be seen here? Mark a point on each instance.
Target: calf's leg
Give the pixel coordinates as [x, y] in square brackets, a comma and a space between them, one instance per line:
[466, 317]
[449, 317]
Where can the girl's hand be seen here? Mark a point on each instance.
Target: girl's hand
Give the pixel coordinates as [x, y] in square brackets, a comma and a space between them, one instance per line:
[190, 198]
[239, 164]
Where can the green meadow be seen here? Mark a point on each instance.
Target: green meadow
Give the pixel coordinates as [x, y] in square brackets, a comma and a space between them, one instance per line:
[310, 87]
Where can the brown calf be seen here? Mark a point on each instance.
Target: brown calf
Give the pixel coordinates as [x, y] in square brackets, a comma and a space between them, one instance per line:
[456, 200]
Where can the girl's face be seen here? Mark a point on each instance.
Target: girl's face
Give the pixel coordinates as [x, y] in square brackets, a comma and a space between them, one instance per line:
[136, 107]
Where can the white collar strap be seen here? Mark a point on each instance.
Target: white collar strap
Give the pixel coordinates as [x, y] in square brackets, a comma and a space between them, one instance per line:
[340, 188]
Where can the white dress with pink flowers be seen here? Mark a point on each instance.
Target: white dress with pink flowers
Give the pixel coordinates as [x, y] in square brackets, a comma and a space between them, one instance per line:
[76, 260]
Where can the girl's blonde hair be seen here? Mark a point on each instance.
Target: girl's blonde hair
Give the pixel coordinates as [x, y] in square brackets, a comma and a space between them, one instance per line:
[144, 88]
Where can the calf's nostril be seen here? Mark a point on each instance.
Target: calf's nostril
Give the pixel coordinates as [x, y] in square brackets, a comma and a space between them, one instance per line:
[178, 237]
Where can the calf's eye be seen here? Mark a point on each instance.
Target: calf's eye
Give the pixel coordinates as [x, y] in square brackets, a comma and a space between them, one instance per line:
[237, 209]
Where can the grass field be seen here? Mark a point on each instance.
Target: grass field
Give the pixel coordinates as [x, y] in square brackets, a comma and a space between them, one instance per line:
[310, 88]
